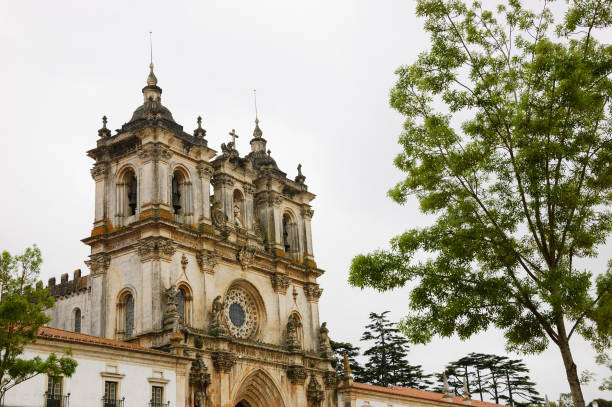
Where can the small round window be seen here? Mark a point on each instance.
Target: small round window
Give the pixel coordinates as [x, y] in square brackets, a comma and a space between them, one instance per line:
[241, 313]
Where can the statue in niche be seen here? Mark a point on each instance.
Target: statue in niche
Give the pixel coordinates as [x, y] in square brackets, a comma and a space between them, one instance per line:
[217, 321]
[237, 215]
[326, 349]
[293, 325]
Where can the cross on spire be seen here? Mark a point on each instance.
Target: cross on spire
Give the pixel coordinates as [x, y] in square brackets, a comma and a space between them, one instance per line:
[234, 136]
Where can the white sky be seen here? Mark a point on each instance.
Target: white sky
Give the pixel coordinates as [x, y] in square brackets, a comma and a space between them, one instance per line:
[322, 70]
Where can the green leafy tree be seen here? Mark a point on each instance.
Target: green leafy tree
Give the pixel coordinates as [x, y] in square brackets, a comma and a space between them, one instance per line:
[22, 312]
[507, 143]
[351, 351]
[605, 360]
[387, 364]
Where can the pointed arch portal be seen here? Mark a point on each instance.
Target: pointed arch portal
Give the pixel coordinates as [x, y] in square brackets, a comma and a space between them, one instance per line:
[258, 390]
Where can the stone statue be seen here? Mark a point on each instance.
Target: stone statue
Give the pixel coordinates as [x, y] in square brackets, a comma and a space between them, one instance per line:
[326, 349]
[217, 320]
[293, 341]
[237, 215]
[199, 378]
[199, 399]
[171, 314]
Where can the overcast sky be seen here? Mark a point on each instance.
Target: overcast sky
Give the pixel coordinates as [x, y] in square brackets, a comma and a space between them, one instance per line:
[322, 70]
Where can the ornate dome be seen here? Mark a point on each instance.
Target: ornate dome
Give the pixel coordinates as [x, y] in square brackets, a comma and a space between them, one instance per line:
[152, 109]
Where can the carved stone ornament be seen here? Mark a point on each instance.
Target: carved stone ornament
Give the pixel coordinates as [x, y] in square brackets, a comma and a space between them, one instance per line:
[223, 361]
[100, 169]
[314, 392]
[313, 292]
[277, 200]
[98, 263]
[307, 213]
[249, 190]
[171, 314]
[156, 248]
[296, 374]
[199, 377]
[280, 283]
[204, 171]
[207, 260]
[330, 378]
[246, 257]
[154, 152]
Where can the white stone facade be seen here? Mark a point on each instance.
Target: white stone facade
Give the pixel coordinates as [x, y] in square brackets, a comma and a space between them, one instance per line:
[135, 372]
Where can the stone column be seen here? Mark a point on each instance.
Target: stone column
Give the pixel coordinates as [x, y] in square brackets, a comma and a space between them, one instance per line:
[278, 222]
[248, 206]
[205, 174]
[307, 214]
[99, 173]
[155, 255]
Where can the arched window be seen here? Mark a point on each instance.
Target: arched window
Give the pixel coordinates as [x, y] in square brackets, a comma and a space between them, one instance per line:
[129, 316]
[181, 305]
[125, 315]
[184, 300]
[290, 234]
[127, 193]
[238, 208]
[181, 193]
[77, 320]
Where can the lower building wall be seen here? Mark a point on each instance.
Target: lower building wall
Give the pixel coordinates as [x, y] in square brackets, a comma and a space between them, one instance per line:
[134, 373]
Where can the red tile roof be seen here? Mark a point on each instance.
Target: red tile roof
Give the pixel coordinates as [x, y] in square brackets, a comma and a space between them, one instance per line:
[47, 332]
[420, 394]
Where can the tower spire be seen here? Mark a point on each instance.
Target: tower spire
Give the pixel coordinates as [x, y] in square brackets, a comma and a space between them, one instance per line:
[151, 80]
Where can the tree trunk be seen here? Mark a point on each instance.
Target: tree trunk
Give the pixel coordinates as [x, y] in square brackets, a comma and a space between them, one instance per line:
[479, 383]
[509, 389]
[571, 371]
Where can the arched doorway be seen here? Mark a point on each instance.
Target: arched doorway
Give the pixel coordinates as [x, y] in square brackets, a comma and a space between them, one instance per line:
[258, 390]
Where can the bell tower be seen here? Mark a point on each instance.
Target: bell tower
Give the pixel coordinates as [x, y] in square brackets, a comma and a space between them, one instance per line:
[200, 253]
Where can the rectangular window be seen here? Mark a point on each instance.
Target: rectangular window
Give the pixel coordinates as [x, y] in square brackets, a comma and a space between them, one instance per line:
[54, 391]
[110, 394]
[157, 396]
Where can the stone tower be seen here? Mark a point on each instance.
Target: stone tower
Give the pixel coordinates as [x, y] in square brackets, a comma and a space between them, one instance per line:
[206, 255]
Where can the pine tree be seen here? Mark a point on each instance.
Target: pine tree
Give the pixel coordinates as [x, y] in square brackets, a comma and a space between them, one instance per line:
[387, 364]
[502, 379]
[520, 389]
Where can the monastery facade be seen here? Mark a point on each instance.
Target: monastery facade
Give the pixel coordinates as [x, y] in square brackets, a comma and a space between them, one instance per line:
[202, 288]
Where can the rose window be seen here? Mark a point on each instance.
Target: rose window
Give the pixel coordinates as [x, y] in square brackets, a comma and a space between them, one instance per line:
[240, 313]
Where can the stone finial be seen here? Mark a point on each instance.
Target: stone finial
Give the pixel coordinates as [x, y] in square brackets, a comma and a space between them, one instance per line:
[76, 274]
[347, 374]
[257, 133]
[300, 177]
[199, 132]
[466, 393]
[445, 389]
[151, 79]
[52, 282]
[64, 278]
[104, 132]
